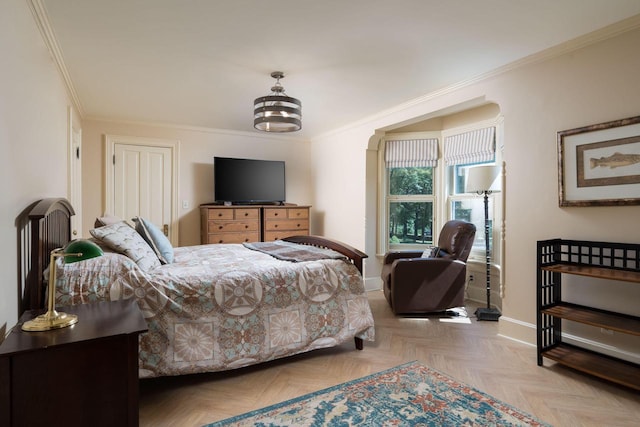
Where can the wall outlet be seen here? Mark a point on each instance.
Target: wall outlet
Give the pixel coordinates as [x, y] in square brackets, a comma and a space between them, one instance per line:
[185, 204]
[470, 278]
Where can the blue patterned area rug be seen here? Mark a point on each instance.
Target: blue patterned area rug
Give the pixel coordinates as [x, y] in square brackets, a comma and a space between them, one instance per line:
[407, 395]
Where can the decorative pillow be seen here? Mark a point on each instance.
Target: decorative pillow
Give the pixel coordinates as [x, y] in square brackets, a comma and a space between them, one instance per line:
[434, 252]
[155, 238]
[107, 219]
[122, 238]
[429, 252]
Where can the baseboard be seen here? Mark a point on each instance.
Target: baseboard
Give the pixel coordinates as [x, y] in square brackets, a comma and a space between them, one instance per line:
[372, 284]
[517, 330]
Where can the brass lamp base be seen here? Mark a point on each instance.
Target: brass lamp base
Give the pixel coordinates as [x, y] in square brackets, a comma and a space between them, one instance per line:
[50, 320]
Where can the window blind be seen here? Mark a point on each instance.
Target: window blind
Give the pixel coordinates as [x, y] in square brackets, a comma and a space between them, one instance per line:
[470, 147]
[411, 153]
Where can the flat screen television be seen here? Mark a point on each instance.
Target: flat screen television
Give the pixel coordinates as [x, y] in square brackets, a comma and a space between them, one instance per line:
[248, 181]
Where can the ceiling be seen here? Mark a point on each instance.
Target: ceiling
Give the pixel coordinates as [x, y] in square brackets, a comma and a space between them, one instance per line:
[202, 63]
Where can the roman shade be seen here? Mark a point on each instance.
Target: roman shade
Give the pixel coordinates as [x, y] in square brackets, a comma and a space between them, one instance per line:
[475, 146]
[411, 153]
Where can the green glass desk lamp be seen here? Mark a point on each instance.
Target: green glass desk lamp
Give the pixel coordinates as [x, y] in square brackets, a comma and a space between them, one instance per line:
[74, 251]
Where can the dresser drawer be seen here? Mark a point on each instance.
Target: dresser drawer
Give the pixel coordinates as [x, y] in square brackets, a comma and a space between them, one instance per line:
[248, 213]
[270, 236]
[286, 213]
[220, 214]
[275, 213]
[234, 213]
[233, 237]
[287, 224]
[232, 226]
[297, 213]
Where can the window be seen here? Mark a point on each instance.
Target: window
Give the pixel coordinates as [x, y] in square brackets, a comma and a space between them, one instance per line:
[409, 182]
[470, 207]
[423, 186]
[410, 211]
[463, 150]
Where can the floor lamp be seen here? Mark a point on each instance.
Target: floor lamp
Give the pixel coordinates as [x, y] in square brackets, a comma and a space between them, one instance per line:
[484, 180]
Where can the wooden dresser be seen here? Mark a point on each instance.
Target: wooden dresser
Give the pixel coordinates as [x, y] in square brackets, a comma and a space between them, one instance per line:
[230, 224]
[258, 223]
[284, 221]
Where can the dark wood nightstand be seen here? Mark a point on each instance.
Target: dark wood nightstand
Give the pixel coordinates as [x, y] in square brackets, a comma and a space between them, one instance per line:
[83, 375]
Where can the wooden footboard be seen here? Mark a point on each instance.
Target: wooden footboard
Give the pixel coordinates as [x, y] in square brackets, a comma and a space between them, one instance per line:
[350, 252]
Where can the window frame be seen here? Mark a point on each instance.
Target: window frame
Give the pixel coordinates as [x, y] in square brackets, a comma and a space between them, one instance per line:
[385, 199]
[410, 198]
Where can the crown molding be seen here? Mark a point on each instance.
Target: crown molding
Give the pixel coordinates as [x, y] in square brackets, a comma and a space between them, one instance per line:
[580, 42]
[41, 18]
[201, 129]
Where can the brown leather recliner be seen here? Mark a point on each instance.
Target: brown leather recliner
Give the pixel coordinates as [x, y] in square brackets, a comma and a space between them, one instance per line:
[413, 284]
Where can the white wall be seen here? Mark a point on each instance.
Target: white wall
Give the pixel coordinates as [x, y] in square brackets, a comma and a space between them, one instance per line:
[593, 84]
[33, 136]
[197, 149]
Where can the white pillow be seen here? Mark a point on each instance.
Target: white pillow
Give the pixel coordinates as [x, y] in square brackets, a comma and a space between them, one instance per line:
[122, 238]
[155, 238]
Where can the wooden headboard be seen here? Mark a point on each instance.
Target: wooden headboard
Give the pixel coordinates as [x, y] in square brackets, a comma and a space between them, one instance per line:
[43, 227]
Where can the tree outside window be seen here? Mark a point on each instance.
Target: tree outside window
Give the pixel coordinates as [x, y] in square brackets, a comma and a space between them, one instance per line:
[411, 202]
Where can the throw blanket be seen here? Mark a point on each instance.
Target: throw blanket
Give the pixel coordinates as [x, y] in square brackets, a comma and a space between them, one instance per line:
[287, 251]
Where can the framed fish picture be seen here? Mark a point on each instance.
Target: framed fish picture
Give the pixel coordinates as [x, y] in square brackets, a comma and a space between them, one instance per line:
[599, 165]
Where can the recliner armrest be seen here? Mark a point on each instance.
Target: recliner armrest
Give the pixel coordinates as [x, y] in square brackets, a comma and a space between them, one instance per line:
[389, 257]
[424, 268]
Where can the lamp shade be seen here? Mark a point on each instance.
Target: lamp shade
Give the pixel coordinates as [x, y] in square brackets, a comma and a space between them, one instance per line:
[79, 250]
[483, 178]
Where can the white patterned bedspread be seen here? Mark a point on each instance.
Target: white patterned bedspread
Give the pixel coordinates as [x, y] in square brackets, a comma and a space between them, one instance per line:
[220, 307]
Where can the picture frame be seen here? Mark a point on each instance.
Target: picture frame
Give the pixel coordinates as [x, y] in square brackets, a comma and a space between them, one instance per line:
[599, 165]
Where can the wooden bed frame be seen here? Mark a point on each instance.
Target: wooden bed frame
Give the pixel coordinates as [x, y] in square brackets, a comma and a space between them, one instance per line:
[48, 227]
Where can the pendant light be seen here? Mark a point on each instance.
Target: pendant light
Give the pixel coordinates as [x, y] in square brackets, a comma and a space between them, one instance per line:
[277, 112]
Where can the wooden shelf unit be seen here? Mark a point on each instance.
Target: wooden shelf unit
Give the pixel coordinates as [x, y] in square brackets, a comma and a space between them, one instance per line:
[602, 260]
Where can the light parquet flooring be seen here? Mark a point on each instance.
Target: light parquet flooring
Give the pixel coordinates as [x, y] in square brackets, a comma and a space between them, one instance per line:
[471, 353]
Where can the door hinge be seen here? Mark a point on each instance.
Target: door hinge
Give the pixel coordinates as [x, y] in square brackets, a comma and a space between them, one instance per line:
[114, 159]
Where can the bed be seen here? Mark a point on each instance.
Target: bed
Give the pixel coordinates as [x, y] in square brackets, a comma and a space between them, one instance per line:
[215, 307]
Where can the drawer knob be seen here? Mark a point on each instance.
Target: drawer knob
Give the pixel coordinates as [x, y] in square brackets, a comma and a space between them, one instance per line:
[220, 241]
[246, 214]
[298, 225]
[275, 226]
[219, 214]
[246, 226]
[276, 214]
[219, 227]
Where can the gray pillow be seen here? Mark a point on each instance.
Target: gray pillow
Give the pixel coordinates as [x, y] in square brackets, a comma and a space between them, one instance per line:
[121, 237]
